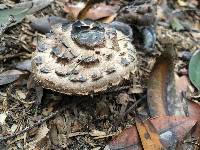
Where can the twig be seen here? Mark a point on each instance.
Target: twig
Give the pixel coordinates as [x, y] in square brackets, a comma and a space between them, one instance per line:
[104, 136]
[9, 56]
[77, 134]
[63, 43]
[135, 104]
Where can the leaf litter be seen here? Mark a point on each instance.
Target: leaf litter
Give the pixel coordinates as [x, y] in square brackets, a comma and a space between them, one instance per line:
[34, 118]
[9, 76]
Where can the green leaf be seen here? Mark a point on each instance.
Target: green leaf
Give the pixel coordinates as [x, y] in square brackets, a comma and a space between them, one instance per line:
[194, 69]
[19, 11]
[176, 25]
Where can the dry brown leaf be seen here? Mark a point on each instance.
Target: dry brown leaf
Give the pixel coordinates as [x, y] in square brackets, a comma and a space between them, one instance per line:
[42, 132]
[108, 19]
[53, 135]
[40, 135]
[181, 84]
[74, 9]
[167, 129]
[61, 125]
[161, 95]
[98, 11]
[194, 112]
[123, 98]
[156, 94]
[128, 139]
[173, 128]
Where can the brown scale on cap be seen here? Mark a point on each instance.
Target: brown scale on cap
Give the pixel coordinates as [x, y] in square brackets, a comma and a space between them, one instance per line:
[82, 58]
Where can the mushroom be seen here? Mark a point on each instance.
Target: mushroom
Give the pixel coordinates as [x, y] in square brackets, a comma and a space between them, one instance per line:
[83, 57]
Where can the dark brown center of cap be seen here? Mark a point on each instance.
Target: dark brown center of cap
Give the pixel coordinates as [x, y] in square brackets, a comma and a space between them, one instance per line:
[88, 33]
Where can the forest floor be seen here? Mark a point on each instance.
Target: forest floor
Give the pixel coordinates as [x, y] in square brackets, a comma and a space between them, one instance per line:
[35, 118]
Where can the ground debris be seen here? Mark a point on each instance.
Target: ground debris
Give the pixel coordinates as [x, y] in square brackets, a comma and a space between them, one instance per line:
[35, 118]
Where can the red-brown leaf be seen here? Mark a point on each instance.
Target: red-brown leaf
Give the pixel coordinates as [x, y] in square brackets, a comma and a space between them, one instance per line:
[194, 112]
[161, 94]
[128, 139]
[170, 129]
[176, 126]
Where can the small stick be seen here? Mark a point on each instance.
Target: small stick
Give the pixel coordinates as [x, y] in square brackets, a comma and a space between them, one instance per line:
[63, 43]
[135, 104]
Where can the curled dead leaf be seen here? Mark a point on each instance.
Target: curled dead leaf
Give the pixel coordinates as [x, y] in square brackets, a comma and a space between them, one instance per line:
[161, 95]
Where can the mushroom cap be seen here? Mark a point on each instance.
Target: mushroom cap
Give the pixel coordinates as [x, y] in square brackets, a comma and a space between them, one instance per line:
[82, 58]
